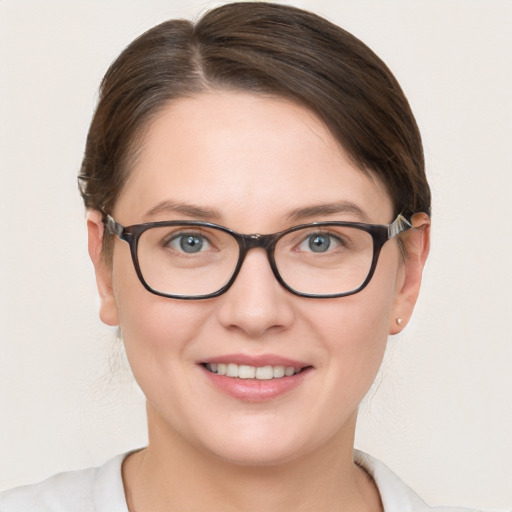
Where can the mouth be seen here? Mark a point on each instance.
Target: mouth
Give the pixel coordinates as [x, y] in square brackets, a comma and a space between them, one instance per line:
[255, 378]
[242, 371]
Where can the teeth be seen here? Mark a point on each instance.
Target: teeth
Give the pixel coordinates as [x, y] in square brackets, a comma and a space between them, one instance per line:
[279, 371]
[264, 372]
[232, 370]
[252, 372]
[246, 372]
[289, 371]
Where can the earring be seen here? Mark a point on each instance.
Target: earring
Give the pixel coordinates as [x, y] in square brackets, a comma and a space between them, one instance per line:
[399, 321]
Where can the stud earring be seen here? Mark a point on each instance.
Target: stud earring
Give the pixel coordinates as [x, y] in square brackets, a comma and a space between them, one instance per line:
[399, 321]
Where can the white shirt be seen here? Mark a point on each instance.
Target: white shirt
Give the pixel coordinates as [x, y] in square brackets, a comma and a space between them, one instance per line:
[101, 489]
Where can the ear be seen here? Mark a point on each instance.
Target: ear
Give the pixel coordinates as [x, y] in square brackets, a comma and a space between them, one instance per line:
[102, 268]
[416, 246]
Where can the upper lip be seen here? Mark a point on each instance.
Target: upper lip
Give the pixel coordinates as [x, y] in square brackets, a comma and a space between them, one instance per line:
[256, 360]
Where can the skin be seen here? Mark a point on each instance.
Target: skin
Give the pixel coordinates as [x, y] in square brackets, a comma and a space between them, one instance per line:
[253, 160]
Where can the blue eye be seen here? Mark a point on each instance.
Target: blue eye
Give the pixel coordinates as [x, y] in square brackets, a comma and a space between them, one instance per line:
[322, 242]
[319, 242]
[190, 243]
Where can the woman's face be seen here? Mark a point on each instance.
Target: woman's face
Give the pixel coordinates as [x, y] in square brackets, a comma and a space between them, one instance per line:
[252, 164]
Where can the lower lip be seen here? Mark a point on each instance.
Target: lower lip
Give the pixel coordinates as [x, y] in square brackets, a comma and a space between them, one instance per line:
[254, 390]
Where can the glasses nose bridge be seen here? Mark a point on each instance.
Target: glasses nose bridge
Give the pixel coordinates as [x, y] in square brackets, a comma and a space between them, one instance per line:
[257, 241]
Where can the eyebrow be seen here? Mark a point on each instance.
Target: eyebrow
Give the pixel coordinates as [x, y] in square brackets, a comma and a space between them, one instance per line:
[189, 210]
[299, 214]
[342, 207]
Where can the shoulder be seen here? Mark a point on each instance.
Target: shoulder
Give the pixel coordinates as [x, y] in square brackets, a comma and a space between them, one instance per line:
[99, 489]
[395, 494]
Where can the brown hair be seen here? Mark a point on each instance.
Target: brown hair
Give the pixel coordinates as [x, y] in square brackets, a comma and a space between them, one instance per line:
[264, 48]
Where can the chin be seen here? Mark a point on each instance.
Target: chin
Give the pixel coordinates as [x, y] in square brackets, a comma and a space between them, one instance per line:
[258, 446]
[245, 456]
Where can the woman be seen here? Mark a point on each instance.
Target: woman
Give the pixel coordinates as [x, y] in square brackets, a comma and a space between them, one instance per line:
[258, 219]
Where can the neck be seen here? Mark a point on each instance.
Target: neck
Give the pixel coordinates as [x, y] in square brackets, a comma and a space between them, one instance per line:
[172, 475]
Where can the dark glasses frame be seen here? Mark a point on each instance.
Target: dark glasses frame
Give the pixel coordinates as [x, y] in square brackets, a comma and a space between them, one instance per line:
[380, 234]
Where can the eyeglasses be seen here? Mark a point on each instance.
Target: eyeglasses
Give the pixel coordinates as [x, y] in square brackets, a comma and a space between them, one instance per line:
[198, 260]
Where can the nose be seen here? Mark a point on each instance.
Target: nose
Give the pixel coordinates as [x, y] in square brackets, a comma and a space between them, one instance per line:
[256, 304]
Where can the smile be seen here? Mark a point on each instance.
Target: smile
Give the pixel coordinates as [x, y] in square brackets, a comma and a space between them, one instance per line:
[241, 371]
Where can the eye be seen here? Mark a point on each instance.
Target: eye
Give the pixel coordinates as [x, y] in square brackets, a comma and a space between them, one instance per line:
[189, 243]
[320, 242]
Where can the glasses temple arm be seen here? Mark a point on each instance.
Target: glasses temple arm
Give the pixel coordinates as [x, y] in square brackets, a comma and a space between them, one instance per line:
[112, 227]
[398, 225]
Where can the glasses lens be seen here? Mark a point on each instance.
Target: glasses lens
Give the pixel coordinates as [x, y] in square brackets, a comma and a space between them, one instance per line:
[186, 260]
[325, 260]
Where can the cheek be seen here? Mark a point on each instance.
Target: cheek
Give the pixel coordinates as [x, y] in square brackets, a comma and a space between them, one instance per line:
[153, 326]
[358, 321]
[353, 331]
[156, 330]
[353, 339]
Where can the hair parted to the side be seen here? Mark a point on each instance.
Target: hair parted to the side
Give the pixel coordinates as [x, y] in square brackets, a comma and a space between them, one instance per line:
[262, 48]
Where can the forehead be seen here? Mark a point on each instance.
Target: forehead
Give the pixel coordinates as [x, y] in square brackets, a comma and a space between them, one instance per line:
[247, 158]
